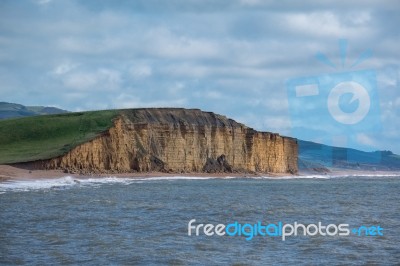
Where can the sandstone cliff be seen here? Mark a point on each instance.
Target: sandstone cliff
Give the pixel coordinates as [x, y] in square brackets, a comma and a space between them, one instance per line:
[179, 140]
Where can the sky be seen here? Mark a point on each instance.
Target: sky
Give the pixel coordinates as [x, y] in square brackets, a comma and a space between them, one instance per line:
[232, 57]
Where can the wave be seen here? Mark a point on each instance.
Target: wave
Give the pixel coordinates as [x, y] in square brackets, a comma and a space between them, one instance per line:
[57, 183]
[295, 177]
[26, 185]
[330, 176]
[177, 178]
[370, 175]
[70, 182]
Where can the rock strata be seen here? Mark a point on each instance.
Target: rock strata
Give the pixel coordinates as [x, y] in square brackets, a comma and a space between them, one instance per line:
[179, 140]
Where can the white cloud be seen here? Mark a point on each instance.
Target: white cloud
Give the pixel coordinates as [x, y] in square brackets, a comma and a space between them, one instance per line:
[164, 43]
[326, 24]
[80, 80]
[125, 100]
[43, 2]
[64, 68]
[186, 70]
[250, 2]
[140, 71]
[278, 124]
[364, 139]
[360, 17]
[102, 79]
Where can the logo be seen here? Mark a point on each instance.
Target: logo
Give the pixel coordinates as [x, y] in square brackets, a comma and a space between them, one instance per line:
[280, 229]
[359, 95]
[338, 108]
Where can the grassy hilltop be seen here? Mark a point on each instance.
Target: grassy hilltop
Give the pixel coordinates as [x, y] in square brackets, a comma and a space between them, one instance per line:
[43, 137]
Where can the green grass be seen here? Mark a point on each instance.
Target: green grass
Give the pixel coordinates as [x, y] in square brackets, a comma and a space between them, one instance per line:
[44, 137]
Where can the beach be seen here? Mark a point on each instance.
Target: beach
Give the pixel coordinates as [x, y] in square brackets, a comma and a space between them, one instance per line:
[9, 172]
[14, 173]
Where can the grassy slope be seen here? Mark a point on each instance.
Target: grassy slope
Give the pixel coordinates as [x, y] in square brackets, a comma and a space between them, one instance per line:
[44, 137]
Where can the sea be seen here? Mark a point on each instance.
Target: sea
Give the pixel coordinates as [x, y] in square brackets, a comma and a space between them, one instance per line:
[240, 221]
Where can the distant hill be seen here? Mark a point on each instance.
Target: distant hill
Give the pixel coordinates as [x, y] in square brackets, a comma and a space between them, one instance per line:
[320, 157]
[14, 110]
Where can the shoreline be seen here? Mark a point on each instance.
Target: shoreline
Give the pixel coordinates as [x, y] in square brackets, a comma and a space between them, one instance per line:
[8, 172]
[13, 173]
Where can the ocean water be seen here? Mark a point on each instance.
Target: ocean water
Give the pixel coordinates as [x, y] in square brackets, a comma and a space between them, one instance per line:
[145, 222]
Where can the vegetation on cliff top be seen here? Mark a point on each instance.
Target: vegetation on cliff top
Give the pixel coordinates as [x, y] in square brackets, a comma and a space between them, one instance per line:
[44, 137]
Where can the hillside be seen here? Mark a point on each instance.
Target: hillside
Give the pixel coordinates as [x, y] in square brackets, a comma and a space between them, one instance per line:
[48, 136]
[142, 140]
[319, 157]
[14, 110]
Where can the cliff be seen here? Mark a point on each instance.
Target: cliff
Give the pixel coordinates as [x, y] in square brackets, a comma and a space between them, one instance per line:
[179, 140]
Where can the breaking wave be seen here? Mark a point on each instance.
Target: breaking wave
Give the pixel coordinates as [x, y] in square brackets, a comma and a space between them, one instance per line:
[70, 182]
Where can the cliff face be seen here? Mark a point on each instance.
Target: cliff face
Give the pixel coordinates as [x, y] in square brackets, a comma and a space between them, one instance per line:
[180, 140]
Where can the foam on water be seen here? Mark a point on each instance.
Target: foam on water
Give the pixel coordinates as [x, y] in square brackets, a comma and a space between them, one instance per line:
[296, 177]
[370, 175]
[26, 185]
[177, 178]
[329, 176]
[69, 182]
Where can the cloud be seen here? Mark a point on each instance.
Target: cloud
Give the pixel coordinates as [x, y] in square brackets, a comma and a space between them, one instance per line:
[125, 100]
[140, 71]
[231, 56]
[279, 105]
[366, 140]
[250, 2]
[43, 2]
[101, 79]
[163, 43]
[64, 68]
[330, 24]
[265, 122]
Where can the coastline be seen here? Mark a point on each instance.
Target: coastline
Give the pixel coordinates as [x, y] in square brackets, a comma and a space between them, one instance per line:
[9, 173]
[14, 173]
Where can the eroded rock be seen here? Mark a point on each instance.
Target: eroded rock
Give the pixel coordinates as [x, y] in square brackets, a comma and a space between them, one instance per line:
[180, 140]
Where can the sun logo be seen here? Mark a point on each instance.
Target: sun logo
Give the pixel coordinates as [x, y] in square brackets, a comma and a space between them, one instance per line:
[341, 105]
